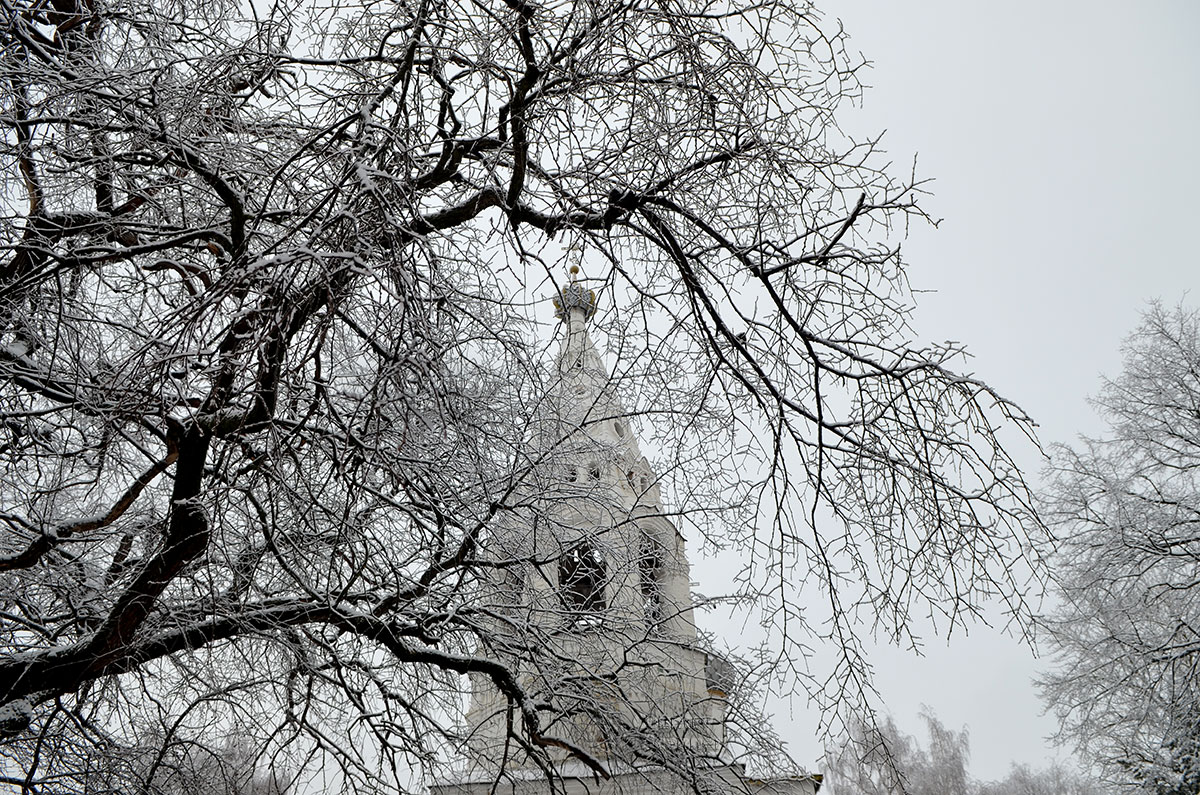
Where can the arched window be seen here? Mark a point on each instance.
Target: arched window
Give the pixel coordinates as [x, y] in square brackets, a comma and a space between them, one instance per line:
[581, 579]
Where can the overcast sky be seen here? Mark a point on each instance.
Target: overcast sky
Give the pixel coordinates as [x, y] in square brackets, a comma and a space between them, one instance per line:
[1064, 140]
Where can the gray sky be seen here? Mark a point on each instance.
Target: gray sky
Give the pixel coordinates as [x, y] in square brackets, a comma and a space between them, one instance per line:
[1064, 140]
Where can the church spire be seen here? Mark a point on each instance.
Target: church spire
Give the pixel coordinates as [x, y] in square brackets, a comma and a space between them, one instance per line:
[590, 586]
[589, 597]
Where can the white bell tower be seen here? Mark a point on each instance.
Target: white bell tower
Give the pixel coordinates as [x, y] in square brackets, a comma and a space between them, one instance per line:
[589, 601]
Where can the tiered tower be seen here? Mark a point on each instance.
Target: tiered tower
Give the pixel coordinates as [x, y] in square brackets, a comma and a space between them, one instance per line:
[590, 603]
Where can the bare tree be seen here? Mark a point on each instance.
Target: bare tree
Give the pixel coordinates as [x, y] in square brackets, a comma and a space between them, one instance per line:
[1126, 681]
[270, 364]
[881, 759]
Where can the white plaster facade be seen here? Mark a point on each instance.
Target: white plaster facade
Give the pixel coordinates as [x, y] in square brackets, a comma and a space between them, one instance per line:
[592, 606]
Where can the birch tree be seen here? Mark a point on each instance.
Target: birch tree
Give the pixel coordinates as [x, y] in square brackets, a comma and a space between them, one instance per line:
[269, 353]
[881, 759]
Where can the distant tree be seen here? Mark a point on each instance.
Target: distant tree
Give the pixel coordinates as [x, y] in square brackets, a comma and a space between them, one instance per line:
[270, 351]
[883, 760]
[1057, 779]
[1126, 678]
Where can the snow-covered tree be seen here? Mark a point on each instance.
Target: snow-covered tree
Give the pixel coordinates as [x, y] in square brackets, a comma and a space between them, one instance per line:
[272, 345]
[1126, 506]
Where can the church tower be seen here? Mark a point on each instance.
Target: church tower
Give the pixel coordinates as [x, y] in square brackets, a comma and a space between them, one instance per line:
[588, 599]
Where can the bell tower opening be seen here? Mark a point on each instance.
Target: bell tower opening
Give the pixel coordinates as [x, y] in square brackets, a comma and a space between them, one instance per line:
[582, 577]
[651, 570]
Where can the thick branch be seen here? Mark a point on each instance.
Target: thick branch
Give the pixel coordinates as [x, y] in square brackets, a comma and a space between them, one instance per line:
[60, 670]
[186, 538]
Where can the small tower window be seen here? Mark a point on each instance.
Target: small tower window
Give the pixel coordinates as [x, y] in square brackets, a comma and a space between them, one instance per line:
[581, 578]
[594, 472]
[511, 587]
[620, 428]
